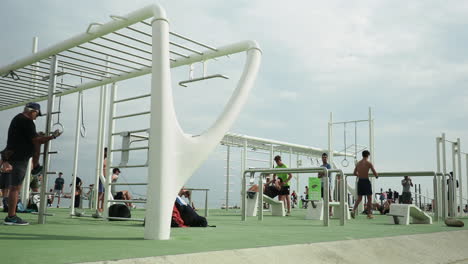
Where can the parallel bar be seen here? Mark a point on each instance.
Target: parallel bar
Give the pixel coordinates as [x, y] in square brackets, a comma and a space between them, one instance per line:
[113, 56]
[127, 149]
[127, 201]
[352, 121]
[131, 183]
[132, 98]
[125, 45]
[102, 59]
[92, 63]
[117, 50]
[130, 166]
[193, 41]
[132, 131]
[131, 115]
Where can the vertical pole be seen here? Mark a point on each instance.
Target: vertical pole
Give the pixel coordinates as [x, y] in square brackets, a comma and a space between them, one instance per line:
[110, 146]
[228, 168]
[243, 198]
[206, 203]
[77, 147]
[453, 182]
[444, 178]
[342, 195]
[48, 127]
[437, 189]
[243, 167]
[420, 196]
[99, 148]
[326, 201]
[34, 66]
[466, 161]
[162, 188]
[371, 144]
[27, 181]
[460, 178]
[297, 177]
[355, 143]
[330, 139]
[260, 197]
[272, 156]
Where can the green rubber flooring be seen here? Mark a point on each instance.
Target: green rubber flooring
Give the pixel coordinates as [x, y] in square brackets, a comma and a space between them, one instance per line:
[67, 240]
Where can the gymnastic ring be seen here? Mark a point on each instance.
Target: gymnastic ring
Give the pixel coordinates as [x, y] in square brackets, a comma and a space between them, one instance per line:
[345, 163]
[59, 127]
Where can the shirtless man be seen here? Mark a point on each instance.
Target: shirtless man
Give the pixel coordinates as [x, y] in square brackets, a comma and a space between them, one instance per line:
[364, 184]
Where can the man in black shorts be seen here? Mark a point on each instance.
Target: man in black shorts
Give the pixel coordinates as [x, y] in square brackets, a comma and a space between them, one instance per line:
[364, 184]
[284, 182]
[21, 145]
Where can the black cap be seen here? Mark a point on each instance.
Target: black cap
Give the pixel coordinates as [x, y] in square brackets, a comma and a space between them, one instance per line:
[34, 106]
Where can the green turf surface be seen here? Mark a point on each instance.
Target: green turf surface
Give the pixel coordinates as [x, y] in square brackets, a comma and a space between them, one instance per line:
[66, 240]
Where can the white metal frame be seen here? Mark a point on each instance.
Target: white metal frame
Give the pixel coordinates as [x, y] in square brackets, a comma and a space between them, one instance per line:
[174, 155]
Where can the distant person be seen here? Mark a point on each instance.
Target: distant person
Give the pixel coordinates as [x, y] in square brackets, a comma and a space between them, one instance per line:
[49, 198]
[284, 178]
[23, 143]
[293, 199]
[120, 195]
[325, 164]
[390, 195]
[58, 188]
[396, 196]
[364, 185]
[407, 183]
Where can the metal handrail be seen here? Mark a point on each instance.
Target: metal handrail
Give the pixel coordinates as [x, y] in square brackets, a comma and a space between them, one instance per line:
[251, 172]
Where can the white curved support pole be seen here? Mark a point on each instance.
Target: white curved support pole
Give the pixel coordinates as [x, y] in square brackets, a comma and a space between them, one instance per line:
[466, 161]
[27, 182]
[77, 147]
[174, 155]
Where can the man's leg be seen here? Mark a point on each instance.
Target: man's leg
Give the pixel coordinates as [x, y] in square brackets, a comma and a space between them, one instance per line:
[13, 200]
[288, 201]
[369, 206]
[356, 204]
[58, 200]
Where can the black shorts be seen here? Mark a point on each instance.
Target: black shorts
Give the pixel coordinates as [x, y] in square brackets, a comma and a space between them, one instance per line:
[16, 176]
[271, 191]
[118, 196]
[364, 187]
[284, 190]
[4, 180]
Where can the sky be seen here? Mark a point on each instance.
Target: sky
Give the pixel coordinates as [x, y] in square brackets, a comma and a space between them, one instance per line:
[405, 60]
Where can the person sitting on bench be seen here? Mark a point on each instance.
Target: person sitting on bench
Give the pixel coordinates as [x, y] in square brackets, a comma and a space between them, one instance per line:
[271, 188]
[120, 195]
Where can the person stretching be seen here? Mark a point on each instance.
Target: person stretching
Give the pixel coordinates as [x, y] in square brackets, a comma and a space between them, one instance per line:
[364, 184]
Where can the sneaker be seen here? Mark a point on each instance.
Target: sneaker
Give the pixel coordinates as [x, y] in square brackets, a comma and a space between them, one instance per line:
[37, 170]
[15, 220]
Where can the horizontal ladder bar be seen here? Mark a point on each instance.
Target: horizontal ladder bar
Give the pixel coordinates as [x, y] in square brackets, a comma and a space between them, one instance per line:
[131, 166]
[129, 149]
[132, 183]
[127, 201]
[132, 98]
[133, 131]
[131, 115]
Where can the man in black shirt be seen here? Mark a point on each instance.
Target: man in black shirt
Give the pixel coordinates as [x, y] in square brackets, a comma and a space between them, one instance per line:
[22, 143]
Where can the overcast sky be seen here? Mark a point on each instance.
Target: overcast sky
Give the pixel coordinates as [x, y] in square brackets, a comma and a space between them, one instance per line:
[406, 60]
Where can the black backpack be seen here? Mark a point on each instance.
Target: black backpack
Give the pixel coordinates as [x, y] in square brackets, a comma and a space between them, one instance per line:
[119, 210]
[190, 217]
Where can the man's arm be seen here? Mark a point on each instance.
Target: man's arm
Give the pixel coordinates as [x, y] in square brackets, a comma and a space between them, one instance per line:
[373, 170]
[289, 177]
